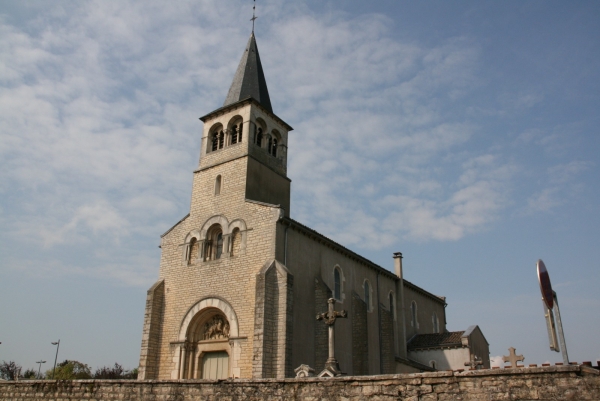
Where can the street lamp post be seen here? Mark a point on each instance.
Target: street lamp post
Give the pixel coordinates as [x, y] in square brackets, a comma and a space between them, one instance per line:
[40, 368]
[55, 358]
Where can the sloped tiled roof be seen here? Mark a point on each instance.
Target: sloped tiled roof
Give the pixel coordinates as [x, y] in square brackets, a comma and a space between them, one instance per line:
[448, 339]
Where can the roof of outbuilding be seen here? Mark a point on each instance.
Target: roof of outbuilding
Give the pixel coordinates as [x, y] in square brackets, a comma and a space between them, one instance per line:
[449, 339]
[249, 79]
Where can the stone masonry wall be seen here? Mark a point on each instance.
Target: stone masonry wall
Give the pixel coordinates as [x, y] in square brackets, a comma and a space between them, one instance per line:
[544, 384]
[322, 294]
[387, 341]
[272, 327]
[271, 337]
[230, 278]
[151, 331]
[360, 346]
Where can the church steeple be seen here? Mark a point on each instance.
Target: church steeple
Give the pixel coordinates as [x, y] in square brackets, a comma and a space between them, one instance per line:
[249, 79]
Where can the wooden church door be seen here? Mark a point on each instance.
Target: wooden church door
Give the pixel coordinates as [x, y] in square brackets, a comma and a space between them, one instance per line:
[215, 365]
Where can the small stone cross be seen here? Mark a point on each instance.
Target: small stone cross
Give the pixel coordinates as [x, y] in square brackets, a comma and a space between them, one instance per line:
[474, 363]
[513, 358]
[329, 318]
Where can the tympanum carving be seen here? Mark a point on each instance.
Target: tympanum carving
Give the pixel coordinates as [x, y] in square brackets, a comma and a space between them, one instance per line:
[216, 328]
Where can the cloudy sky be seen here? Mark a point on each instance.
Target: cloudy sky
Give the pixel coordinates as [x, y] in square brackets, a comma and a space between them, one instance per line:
[463, 134]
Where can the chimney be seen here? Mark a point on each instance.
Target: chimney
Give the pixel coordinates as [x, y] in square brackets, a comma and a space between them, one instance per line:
[398, 264]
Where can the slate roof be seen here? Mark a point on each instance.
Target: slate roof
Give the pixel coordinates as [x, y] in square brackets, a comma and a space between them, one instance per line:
[249, 79]
[449, 339]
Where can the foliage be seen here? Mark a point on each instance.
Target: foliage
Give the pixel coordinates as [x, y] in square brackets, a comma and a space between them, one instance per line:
[31, 374]
[133, 374]
[116, 372]
[9, 370]
[70, 370]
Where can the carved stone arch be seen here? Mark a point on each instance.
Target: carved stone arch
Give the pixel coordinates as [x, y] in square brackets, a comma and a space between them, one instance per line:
[210, 302]
[262, 124]
[214, 141]
[219, 219]
[260, 132]
[237, 238]
[192, 234]
[235, 129]
[190, 246]
[189, 348]
[214, 229]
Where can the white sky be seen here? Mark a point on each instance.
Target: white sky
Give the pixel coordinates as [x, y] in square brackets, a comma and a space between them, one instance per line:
[463, 134]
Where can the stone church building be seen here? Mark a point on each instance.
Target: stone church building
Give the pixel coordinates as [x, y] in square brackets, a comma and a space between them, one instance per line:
[241, 282]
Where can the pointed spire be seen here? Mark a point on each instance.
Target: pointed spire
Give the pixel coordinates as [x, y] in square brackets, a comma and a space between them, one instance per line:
[249, 79]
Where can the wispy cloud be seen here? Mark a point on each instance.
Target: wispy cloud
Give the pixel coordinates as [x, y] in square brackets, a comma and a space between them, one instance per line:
[99, 107]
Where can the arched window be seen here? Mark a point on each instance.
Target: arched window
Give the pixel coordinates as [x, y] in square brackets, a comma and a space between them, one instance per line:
[259, 137]
[337, 274]
[213, 246]
[235, 130]
[216, 137]
[413, 313]
[219, 249]
[273, 149]
[234, 134]
[436, 323]
[367, 290]
[221, 139]
[218, 185]
[192, 251]
[236, 240]
[433, 364]
[337, 284]
[273, 145]
[215, 141]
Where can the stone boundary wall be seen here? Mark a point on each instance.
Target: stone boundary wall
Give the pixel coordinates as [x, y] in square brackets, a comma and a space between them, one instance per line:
[573, 382]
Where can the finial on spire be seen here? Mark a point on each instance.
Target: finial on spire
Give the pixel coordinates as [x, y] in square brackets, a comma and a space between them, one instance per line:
[254, 17]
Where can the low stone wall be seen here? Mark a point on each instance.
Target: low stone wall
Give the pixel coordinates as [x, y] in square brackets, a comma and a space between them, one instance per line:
[546, 383]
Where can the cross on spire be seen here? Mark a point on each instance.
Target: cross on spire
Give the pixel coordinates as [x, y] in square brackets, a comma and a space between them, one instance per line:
[513, 358]
[254, 17]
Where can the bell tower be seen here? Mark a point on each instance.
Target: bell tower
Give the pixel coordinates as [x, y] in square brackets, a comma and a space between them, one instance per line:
[201, 319]
[244, 144]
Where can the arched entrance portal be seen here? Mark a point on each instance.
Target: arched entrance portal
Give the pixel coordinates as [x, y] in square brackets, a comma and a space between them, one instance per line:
[208, 346]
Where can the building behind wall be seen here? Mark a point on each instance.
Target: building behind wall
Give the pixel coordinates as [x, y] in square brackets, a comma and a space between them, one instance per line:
[241, 282]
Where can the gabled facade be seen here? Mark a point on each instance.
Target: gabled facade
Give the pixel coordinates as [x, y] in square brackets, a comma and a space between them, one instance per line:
[450, 350]
[241, 282]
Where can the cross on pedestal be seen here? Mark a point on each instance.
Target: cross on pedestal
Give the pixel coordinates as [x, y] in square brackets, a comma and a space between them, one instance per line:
[513, 358]
[474, 362]
[331, 366]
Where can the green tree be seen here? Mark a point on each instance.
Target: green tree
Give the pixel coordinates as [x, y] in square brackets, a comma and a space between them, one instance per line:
[70, 370]
[9, 370]
[132, 374]
[30, 374]
[116, 372]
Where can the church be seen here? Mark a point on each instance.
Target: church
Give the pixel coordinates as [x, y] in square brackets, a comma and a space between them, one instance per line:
[241, 282]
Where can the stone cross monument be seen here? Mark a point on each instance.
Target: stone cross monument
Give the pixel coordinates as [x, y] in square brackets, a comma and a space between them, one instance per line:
[474, 362]
[331, 366]
[513, 358]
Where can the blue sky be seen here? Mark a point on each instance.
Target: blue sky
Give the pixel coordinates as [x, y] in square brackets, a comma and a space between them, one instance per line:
[463, 134]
